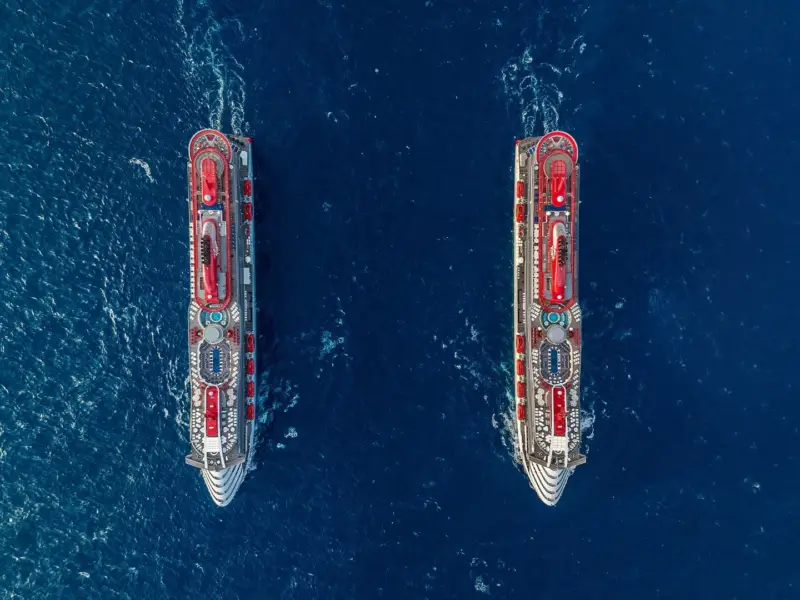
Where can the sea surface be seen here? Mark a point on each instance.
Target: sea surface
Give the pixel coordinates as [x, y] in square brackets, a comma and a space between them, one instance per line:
[384, 133]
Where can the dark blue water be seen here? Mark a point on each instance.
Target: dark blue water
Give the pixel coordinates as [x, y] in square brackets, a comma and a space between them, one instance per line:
[385, 463]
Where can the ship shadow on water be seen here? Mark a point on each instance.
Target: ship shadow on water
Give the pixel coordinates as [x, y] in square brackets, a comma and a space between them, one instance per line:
[267, 338]
[290, 279]
[304, 256]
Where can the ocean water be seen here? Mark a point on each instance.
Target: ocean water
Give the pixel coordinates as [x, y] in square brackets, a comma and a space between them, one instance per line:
[385, 463]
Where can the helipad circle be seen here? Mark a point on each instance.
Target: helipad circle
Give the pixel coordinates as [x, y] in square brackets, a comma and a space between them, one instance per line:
[212, 334]
[556, 334]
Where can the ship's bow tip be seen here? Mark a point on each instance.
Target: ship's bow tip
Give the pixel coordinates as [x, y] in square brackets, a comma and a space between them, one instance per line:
[223, 485]
[548, 483]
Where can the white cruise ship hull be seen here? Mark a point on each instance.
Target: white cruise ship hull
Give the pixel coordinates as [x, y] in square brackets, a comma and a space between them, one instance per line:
[547, 315]
[221, 316]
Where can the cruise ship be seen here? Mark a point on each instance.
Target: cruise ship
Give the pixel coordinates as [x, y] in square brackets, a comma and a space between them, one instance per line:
[222, 328]
[547, 317]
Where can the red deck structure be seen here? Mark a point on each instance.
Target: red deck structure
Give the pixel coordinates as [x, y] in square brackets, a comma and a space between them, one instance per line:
[212, 411]
[209, 181]
[559, 411]
[558, 266]
[557, 185]
[207, 189]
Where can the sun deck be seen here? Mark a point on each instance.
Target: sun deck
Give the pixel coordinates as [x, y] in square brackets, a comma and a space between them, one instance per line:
[547, 317]
[221, 331]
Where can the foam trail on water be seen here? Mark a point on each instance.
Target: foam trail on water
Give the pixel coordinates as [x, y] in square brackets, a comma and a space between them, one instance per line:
[145, 167]
[534, 90]
[214, 75]
[531, 81]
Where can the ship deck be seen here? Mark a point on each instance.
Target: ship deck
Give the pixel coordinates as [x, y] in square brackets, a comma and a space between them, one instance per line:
[547, 316]
[221, 328]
